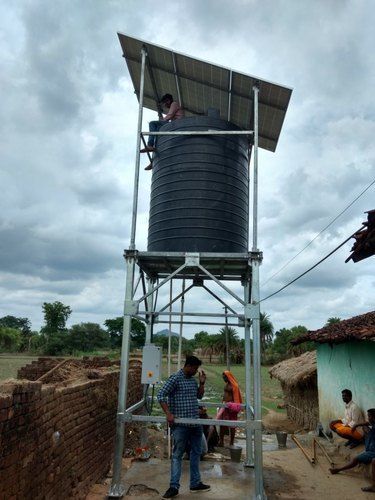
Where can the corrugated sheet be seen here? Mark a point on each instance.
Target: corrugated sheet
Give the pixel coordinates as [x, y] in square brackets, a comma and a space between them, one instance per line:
[204, 85]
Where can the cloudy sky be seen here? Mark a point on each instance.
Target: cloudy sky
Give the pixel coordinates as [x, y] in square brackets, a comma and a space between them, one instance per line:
[68, 131]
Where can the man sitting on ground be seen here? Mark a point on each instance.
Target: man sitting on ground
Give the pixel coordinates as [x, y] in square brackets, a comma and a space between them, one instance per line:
[175, 112]
[368, 456]
[346, 427]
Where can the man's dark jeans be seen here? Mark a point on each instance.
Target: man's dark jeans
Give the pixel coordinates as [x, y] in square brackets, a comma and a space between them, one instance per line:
[181, 436]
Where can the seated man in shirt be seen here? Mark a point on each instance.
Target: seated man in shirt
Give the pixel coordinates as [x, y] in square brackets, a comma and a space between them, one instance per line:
[368, 456]
[175, 112]
[346, 427]
[178, 399]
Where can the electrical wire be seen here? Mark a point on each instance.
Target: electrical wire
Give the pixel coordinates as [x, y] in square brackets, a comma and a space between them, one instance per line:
[312, 267]
[315, 237]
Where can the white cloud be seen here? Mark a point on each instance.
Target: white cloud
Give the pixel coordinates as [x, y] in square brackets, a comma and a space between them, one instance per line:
[68, 129]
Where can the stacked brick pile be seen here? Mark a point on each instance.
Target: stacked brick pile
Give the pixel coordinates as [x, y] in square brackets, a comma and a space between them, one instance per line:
[37, 368]
[56, 441]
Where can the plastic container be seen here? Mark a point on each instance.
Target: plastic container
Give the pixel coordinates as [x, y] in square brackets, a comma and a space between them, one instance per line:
[199, 192]
[235, 453]
[281, 439]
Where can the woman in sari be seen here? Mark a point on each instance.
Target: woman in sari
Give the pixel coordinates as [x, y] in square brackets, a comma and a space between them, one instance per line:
[232, 399]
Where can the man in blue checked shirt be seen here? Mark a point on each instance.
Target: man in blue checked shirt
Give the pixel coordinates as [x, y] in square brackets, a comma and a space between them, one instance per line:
[179, 399]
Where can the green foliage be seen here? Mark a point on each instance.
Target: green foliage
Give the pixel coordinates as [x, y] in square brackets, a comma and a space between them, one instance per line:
[55, 317]
[115, 328]
[23, 325]
[333, 320]
[56, 343]
[266, 331]
[281, 348]
[86, 337]
[187, 346]
[10, 339]
[201, 339]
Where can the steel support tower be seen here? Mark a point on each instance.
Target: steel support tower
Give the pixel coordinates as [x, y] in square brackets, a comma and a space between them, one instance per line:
[153, 270]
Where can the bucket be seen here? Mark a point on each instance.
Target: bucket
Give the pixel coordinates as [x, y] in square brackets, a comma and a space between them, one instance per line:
[235, 453]
[281, 439]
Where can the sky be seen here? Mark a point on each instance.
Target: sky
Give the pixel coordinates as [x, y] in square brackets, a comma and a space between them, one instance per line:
[68, 137]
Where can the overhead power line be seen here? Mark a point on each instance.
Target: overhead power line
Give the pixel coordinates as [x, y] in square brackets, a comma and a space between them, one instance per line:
[315, 237]
[312, 267]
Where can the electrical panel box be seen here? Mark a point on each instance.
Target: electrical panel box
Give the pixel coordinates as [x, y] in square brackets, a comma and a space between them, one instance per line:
[151, 364]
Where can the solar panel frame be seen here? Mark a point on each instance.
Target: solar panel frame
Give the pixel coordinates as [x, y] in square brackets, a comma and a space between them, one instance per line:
[204, 85]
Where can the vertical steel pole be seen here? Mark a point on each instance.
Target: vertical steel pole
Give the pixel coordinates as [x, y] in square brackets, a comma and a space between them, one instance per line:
[255, 261]
[150, 319]
[169, 355]
[176, 79]
[249, 462]
[137, 155]
[150, 310]
[257, 382]
[230, 95]
[170, 328]
[117, 489]
[181, 325]
[255, 180]
[227, 338]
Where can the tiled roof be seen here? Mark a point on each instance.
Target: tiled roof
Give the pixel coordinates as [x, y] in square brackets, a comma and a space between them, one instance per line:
[358, 328]
[364, 245]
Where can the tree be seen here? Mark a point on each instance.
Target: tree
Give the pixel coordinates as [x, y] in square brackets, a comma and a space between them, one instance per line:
[230, 333]
[87, 337]
[115, 329]
[10, 339]
[266, 331]
[212, 345]
[55, 316]
[332, 321]
[201, 339]
[23, 325]
[281, 348]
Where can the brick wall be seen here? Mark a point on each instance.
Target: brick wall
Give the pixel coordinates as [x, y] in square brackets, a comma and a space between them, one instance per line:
[56, 440]
[37, 368]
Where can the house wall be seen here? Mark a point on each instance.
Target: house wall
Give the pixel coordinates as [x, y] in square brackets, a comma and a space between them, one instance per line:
[302, 404]
[345, 366]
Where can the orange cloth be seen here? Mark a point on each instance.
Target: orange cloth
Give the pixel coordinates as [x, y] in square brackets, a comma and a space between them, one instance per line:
[237, 398]
[346, 432]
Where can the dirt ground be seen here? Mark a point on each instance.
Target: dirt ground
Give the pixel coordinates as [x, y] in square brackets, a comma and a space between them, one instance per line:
[287, 473]
[275, 421]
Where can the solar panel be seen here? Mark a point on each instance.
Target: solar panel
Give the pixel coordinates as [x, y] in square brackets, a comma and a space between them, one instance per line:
[203, 85]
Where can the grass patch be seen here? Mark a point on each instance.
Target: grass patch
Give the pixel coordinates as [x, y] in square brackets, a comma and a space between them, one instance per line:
[271, 388]
[11, 363]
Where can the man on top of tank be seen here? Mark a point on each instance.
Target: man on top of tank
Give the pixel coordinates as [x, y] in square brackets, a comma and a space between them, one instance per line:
[175, 112]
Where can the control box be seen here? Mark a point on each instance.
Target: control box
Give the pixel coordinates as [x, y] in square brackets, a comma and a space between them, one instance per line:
[151, 364]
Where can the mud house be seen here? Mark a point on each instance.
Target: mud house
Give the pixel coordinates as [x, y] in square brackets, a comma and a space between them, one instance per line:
[299, 384]
[345, 359]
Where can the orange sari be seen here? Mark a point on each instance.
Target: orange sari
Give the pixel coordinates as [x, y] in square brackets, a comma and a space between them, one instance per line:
[237, 398]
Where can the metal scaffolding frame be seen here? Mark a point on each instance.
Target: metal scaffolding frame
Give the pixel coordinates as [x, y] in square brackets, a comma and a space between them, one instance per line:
[198, 267]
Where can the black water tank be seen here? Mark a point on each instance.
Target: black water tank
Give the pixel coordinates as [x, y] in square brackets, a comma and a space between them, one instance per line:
[199, 192]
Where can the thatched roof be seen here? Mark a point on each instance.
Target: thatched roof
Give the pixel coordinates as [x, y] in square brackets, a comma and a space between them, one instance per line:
[296, 371]
[357, 328]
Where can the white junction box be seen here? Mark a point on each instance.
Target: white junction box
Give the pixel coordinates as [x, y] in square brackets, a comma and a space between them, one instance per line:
[151, 364]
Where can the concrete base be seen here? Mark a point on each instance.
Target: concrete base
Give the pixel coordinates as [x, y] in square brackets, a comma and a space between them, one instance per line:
[228, 480]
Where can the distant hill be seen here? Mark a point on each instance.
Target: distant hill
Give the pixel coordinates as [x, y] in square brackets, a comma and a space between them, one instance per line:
[165, 333]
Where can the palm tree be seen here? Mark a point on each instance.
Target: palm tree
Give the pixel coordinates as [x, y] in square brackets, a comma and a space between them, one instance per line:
[266, 331]
[332, 321]
[230, 335]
